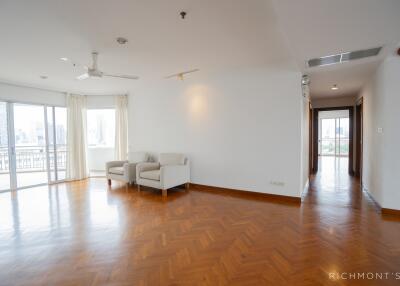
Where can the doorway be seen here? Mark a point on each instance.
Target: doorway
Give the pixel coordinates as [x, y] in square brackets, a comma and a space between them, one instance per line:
[333, 136]
[359, 139]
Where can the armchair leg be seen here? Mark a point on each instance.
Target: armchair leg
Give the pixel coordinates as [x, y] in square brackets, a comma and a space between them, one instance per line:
[187, 185]
[164, 193]
[138, 188]
[109, 182]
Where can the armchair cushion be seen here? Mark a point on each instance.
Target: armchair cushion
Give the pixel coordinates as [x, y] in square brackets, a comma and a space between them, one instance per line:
[171, 159]
[116, 170]
[151, 175]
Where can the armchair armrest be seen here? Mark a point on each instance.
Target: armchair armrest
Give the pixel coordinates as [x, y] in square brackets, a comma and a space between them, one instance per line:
[112, 164]
[174, 175]
[130, 171]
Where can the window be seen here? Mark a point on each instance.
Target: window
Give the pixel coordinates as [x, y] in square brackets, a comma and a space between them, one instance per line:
[101, 128]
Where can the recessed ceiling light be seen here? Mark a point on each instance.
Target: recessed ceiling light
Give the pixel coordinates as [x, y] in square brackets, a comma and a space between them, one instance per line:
[334, 87]
[122, 41]
[64, 59]
[43, 76]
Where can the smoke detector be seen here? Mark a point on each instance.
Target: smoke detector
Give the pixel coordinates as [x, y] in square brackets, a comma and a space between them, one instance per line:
[121, 40]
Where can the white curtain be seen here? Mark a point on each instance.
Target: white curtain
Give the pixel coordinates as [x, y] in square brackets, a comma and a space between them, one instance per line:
[121, 127]
[77, 168]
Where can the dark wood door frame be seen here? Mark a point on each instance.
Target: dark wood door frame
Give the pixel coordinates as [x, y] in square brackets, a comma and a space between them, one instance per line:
[316, 131]
[310, 139]
[358, 138]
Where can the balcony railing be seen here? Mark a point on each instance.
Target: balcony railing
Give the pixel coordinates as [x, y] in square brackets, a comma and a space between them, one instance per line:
[33, 158]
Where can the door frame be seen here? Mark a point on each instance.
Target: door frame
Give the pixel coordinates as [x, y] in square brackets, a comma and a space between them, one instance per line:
[359, 138]
[315, 134]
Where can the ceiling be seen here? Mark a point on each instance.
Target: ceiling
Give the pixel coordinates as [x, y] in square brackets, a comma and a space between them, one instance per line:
[320, 28]
[215, 35]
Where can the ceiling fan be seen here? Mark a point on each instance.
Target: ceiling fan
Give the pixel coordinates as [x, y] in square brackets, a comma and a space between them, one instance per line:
[181, 74]
[94, 72]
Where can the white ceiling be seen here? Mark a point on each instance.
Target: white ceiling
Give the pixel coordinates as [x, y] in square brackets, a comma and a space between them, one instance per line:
[325, 27]
[216, 35]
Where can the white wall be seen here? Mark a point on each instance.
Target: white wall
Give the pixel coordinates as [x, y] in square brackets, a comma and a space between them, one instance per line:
[305, 151]
[241, 129]
[381, 156]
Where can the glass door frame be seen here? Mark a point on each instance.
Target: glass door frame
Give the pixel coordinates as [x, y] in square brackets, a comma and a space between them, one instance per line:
[54, 146]
[11, 146]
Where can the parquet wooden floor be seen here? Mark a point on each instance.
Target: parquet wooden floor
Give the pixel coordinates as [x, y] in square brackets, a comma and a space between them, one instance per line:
[83, 234]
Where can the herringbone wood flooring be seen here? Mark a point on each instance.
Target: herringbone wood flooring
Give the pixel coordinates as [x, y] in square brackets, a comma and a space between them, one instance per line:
[83, 234]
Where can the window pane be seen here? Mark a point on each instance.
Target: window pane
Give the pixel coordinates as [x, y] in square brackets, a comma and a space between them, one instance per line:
[61, 141]
[4, 159]
[328, 129]
[30, 145]
[328, 147]
[50, 126]
[101, 127]
[344, 147]
[344, 127]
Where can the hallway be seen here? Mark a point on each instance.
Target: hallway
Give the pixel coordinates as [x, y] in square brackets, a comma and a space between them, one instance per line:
[332, 185]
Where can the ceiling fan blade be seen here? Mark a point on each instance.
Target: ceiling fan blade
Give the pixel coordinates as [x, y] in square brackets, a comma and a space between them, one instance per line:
[83, 76]
[180, 74]
[121, 76]
[190, 71]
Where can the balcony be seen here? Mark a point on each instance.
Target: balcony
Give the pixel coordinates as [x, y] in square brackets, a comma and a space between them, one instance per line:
[31, 165]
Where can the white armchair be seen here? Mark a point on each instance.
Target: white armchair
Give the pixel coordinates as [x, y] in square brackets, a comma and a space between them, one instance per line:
[125, 171]
[172, 170]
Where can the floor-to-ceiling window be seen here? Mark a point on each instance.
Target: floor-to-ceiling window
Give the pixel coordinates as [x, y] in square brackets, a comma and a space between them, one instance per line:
[4, 149]
[333, 147]
[334, 133]
[101, 139]
[32, 145]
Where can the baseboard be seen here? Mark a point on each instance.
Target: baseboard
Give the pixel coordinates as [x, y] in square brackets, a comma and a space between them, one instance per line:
[243, 193]
[390, 211]
[380, 209]
[377, 205]
[306, 186]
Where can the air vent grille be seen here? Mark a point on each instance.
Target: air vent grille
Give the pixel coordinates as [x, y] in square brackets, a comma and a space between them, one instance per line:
[343, 57]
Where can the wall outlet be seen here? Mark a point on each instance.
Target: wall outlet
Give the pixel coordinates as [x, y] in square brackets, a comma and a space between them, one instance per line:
[380, 130]
[277, 183]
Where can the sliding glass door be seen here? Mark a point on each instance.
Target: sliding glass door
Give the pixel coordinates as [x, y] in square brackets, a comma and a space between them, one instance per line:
[334, 137]
[32, 145]
[5, 179]
[57, 142]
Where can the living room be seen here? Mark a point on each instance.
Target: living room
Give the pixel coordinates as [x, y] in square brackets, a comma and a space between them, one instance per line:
[176, 142]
